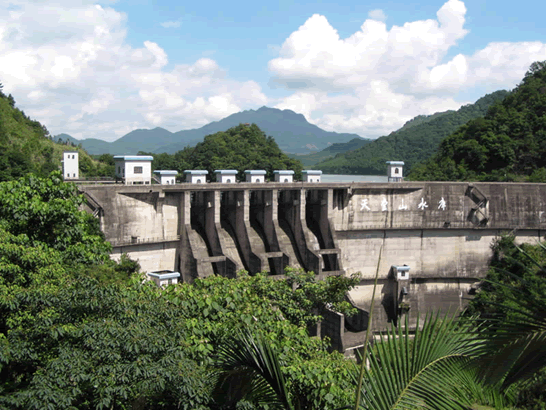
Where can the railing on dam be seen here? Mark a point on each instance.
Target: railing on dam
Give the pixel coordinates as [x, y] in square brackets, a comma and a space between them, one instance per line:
[125, 241]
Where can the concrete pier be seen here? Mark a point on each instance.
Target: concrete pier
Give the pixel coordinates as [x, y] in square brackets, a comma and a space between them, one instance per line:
[442, 230]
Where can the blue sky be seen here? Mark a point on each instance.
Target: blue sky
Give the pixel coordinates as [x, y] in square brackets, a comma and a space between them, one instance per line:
[100, 70]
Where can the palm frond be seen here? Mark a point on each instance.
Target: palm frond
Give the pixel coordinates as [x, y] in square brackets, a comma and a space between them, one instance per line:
[423, 372]
[249, 370]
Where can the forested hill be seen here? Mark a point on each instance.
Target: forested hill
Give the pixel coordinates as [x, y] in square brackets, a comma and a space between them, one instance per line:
[244, 147]
[414, 142]
[508, 144]
[26, 146]
[336, 148]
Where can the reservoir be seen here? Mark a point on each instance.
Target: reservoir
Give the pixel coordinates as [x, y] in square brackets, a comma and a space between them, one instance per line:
[349, 178]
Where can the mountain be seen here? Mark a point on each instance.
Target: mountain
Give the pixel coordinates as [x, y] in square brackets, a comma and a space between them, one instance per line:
[414, 142]
[309, 160]
[238, 148]
[26, 146]
[507, 144]
[291, 131]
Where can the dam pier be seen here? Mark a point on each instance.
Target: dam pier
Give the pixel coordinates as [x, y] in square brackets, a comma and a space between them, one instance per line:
[441, 232]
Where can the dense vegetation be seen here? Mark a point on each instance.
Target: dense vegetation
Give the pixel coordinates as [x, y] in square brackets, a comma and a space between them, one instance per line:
[27, 147]
[309, 160]
[414, 142]
[244, 147]
[512, 296]
[508, 144]
[78, 330]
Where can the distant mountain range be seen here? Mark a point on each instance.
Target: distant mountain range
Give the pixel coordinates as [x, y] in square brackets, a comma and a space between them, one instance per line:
[292, 132]
[332, 150]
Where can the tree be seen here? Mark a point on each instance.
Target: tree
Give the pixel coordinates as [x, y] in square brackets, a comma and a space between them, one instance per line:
[511, 300]
[46, 212]
[508, 144]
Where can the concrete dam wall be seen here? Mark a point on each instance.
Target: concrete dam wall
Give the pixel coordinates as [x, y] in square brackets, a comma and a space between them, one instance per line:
[442, 230]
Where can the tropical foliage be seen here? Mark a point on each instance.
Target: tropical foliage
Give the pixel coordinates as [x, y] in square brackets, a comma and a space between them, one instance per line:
[511, 300]
[78, 330]
[416, 141]
[508, 144]
[492, 357]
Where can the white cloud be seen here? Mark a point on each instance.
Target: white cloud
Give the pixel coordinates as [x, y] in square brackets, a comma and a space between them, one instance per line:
[68, 64]
[170, 24]
[377, 14]
[375, 80]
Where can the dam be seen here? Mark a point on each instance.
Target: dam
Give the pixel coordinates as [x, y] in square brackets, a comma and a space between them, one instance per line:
[441, 232]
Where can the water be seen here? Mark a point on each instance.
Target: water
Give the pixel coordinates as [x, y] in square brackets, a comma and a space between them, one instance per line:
[348, 178]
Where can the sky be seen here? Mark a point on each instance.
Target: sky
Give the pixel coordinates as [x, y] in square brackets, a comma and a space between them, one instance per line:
[102, 69]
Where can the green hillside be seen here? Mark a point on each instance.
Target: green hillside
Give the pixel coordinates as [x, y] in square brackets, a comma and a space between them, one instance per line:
[309, 160]
[411, 144]
[244, 147]
[508, 144]
[26, 146]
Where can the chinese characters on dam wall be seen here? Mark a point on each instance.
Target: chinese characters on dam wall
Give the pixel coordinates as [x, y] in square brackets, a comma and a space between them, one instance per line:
[422, 205]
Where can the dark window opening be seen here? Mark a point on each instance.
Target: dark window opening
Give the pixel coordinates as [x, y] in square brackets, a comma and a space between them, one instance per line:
[137, 170]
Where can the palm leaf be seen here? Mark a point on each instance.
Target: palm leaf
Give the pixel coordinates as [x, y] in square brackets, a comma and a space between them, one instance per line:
[249, 370]
[428, 371]
[514, 348]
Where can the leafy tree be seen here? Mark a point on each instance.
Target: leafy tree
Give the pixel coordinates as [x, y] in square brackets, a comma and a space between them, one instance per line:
[239, 148]
[46, 212]
[512, 301]
[508, 144]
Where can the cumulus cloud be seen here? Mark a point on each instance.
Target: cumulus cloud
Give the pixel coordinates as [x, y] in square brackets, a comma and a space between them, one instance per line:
[377, 15]
[68, 64]
[376, 79]
[170, 24]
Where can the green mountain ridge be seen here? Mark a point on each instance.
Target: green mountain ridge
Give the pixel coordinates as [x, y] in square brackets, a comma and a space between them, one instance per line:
[26, 146]
[241, 147]
[414, 142]
[309, 160]
[292, 132]
[507, 144]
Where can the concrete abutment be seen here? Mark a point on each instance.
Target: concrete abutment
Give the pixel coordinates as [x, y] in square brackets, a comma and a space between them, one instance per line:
[443, 231]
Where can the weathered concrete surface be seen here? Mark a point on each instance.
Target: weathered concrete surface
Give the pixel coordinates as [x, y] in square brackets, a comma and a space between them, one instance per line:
[449, 235]
[442, 230]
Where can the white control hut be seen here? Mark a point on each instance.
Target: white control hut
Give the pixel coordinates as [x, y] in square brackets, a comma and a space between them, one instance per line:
[164, 277]
[311, 176]
[71, 169]
[255, 176]
[283, 176]
[401, 272]
[196, 176]
[166, 176]
[395, 171]
[134, 169]
[226, 176]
